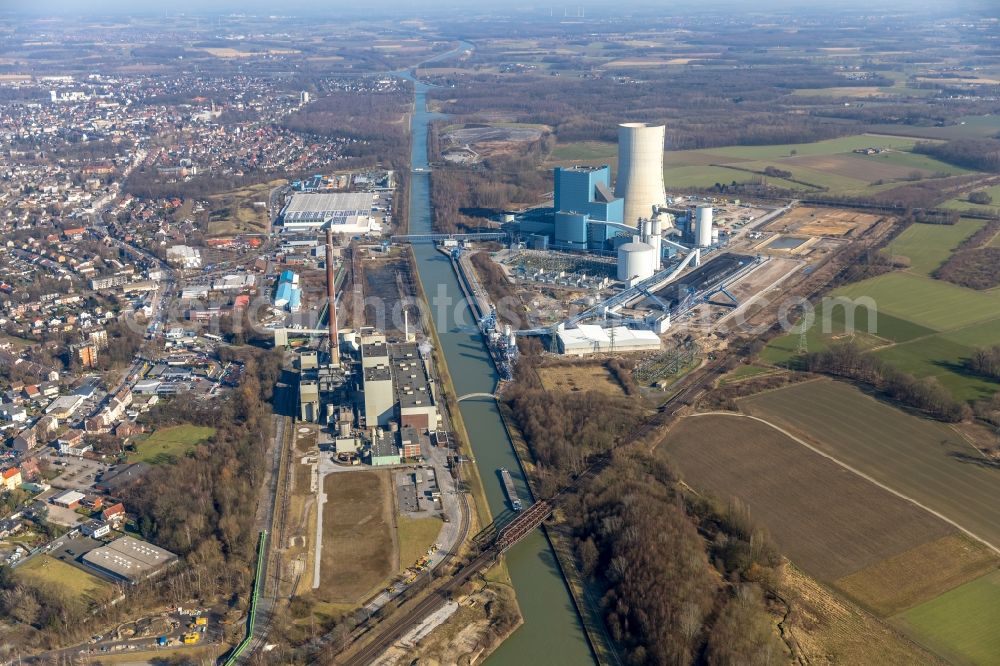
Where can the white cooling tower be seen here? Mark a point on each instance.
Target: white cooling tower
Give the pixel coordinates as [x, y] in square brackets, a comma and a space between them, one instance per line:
[640, 169]
[703, 228]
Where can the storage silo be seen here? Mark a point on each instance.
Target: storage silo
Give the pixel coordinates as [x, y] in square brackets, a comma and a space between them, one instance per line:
[635, 260]
[703, 234]
[640, 169]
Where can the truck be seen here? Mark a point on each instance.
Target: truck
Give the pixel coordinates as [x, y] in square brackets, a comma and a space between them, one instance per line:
[191, 638]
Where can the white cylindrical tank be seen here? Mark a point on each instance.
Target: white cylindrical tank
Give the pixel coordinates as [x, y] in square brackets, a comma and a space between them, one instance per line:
[640, 169]
[635, 260]
[703, 230]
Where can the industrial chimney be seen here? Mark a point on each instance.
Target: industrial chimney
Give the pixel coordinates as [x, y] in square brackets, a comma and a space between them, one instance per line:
[640, 169]
[331, 315]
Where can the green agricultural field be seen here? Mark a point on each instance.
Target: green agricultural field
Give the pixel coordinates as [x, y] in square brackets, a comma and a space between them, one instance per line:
[942, 357]
[585, 150]
[924, 301]
[916, 161]
[922, 459]
[960, 625]
[846, 172]
[829, 147]
[702, 176]
[168, 444]
[970, 127]
[929, 245]
[962, 203]
[984, 334]
[815, 177]
[77, 582]
[746, 372]
[831, 327]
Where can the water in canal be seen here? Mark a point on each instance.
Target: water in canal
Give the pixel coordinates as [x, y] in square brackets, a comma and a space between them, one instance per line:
[552, 631]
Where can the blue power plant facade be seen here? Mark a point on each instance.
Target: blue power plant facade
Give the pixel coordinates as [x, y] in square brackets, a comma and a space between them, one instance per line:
[583, 199]
[588, 190]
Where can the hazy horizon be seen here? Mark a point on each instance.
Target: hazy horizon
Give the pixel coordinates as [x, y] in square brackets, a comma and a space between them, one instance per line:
[292, 7]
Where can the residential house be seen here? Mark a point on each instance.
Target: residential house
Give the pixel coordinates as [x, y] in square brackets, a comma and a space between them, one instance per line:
[25, 440]
[96, 529]
[10, 479]
[114, 514]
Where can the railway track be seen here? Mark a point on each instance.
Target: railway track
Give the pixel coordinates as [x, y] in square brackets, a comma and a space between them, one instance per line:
[505, 536]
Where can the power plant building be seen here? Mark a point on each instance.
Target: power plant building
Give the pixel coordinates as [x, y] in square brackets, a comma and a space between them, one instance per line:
[397, 387]
[587, 189]
[379, 397]
[583, 196]
[640, 170]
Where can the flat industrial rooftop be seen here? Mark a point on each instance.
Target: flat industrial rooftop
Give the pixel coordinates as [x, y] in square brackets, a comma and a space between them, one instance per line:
[129, 558]
[353, 203]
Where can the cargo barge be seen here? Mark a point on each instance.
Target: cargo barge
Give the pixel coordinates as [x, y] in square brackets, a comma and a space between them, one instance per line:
[508, 486]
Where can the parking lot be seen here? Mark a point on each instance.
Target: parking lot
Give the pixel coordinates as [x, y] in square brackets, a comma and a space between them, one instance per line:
[77, 473]
[416, 490]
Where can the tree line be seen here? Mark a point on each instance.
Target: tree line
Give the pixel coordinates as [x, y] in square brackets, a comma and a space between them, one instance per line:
[985, 361]
[926, 394]
[978, 154]
[681, 579]
[973, 264]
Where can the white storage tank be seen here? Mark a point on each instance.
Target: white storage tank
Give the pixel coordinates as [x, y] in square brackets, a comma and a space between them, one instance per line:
[635, 260]
[703, 228]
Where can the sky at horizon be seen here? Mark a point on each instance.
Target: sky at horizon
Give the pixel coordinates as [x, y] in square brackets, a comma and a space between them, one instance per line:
[289, 7]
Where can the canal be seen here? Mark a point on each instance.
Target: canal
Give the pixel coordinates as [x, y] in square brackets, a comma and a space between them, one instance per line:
[552, 630]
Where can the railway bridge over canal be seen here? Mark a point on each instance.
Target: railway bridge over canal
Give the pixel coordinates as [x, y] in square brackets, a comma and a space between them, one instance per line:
[495, 541]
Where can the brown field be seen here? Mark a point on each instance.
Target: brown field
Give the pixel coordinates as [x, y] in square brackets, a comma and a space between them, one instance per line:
[583, 377]
[829, 521]
[648, 62]
[225, 52]
[823, 222]
[359, 553]
[922, 459]
[829, 630]
[920, 574]
[858, 167]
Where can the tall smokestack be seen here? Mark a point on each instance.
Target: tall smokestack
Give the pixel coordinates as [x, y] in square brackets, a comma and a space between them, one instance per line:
[331, 315]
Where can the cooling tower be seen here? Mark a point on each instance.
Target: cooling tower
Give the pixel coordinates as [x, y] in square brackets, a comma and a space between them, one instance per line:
[640, 169]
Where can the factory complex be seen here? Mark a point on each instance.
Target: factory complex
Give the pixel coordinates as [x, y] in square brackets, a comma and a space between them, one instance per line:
[619, 265]
[349, 213]
[368, 391]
